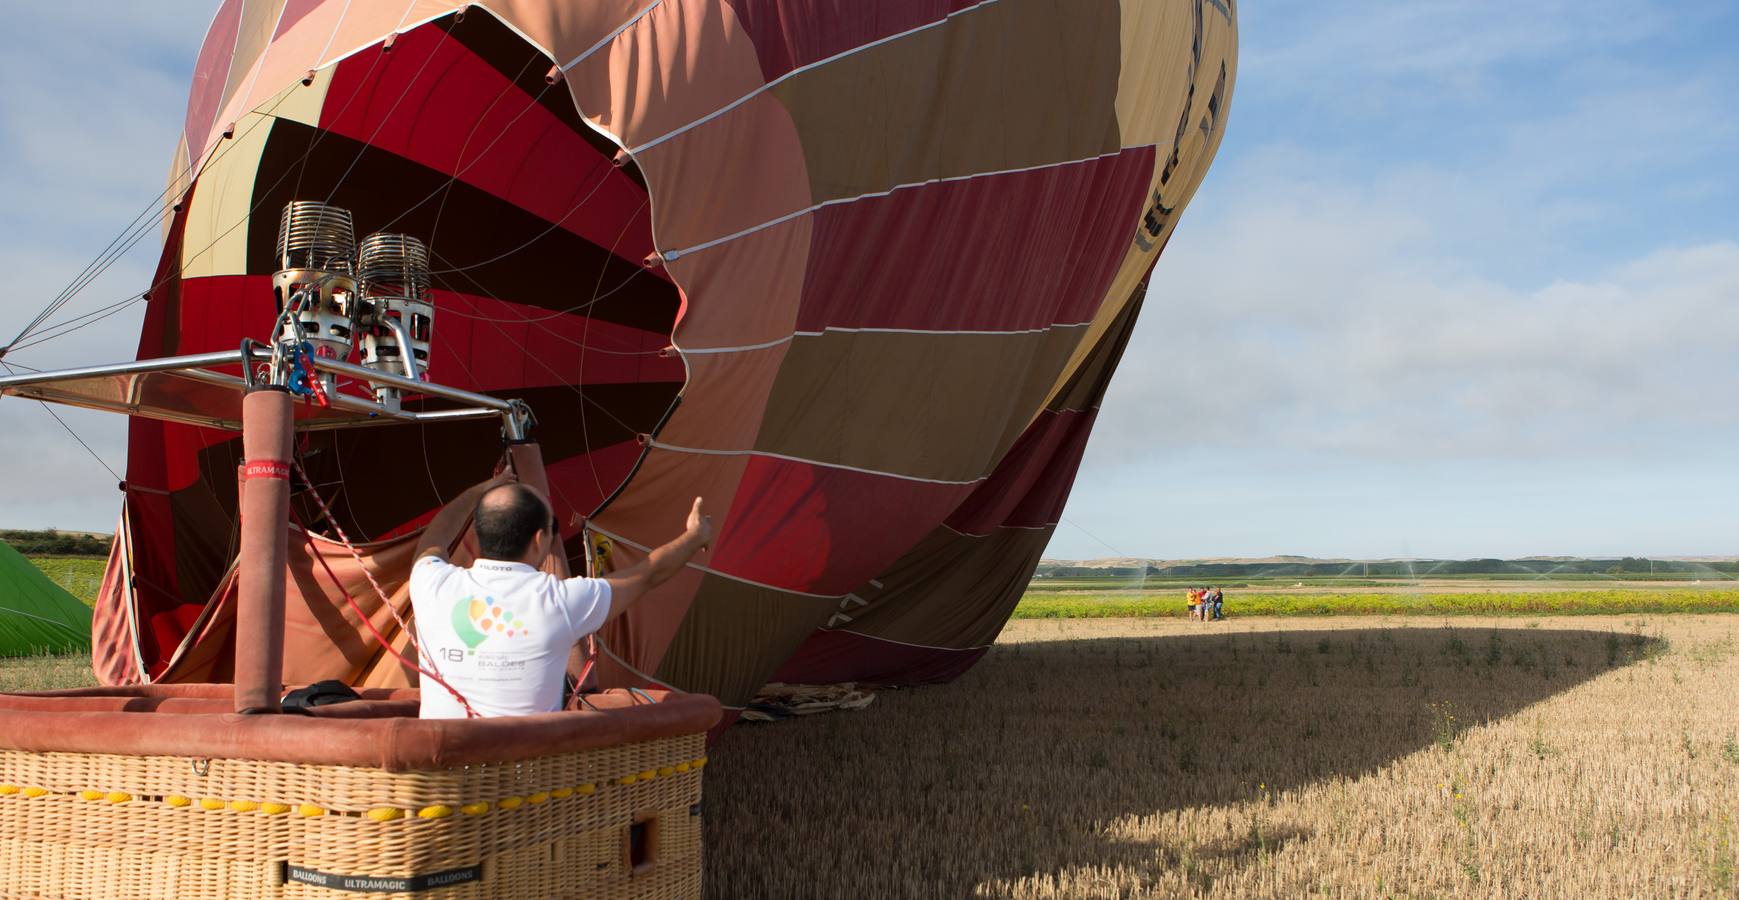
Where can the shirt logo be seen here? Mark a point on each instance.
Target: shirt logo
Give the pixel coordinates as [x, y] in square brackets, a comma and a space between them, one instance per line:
[477, 620]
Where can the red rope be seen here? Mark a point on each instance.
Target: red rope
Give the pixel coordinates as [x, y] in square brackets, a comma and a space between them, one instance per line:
[357, 608]
[591, 660]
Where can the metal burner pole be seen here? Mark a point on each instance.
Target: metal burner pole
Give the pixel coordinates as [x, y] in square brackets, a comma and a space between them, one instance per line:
[267, 429]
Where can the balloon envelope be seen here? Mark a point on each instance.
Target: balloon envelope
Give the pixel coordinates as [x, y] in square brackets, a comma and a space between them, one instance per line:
[856, 273]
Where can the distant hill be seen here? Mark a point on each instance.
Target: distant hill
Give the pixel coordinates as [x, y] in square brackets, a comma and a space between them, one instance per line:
[1392, 567]
[58, 543]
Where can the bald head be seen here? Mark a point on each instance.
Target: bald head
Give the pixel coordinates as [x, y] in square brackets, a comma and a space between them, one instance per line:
[509, 518]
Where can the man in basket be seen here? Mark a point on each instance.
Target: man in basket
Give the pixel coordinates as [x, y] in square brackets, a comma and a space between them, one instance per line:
[499, 630]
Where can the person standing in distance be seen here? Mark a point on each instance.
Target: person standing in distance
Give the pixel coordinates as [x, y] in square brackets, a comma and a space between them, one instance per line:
[500, 629]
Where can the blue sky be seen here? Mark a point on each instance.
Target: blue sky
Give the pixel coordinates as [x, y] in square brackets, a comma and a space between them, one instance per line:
[1464, 281]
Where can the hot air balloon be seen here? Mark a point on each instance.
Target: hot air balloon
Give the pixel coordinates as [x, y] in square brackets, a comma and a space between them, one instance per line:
[857, 273]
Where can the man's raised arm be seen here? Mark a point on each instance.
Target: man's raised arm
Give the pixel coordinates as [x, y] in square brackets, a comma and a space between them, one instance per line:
[632, 583]
[445, 527]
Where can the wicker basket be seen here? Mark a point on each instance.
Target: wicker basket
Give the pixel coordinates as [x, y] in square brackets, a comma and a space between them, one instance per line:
[611, 822]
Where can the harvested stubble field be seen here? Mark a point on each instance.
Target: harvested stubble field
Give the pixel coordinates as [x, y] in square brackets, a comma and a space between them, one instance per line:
[1551, 757]
[1381, 757]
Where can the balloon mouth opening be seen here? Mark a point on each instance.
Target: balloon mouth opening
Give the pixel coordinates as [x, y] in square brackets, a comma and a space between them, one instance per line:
[538, 229]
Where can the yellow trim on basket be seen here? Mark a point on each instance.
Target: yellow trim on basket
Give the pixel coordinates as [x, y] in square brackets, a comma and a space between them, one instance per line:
[377, 814]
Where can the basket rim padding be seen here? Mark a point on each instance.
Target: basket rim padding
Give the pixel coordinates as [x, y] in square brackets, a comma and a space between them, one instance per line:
[388, 736]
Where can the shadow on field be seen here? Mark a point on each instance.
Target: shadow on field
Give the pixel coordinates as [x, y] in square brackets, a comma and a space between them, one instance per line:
[1017, 767]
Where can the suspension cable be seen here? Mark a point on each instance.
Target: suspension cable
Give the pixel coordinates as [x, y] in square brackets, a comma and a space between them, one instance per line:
[404, 627]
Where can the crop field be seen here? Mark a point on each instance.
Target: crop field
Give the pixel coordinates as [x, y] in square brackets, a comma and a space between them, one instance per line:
[1076, 598]
[81, 576]
[1366, 756]
[1082, 605]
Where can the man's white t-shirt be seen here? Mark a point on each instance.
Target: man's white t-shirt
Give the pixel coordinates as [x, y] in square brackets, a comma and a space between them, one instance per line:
[499, 633]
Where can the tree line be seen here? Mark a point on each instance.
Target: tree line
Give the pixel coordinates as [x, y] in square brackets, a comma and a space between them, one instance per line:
[50, 542]
[1629, 565]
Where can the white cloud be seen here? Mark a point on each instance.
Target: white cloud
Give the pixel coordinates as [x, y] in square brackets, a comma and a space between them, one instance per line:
[1464, 276]
[1377, 296]
[1326, 316]
[1375, 52]
[90, 144]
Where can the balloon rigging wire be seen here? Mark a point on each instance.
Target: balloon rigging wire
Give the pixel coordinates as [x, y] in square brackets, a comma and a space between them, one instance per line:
[343, 489]
[575, 388]
[428, 467]
[557, 314]
[554, 487]
[404, 627]
[71, 325]
[143, 223]
[446, 188]
[139, 233]
[591, 464]
[552, 226]
[130, 236]
[141, 226]
[300, 164]
[138, 230]
[138, 224]
[384, 119]
[75, 436]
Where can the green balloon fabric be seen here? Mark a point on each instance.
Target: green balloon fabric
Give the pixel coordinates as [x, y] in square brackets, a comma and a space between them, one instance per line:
[37, 615]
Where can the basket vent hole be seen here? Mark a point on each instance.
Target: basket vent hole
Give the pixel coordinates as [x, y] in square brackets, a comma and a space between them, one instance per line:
[642, 840]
